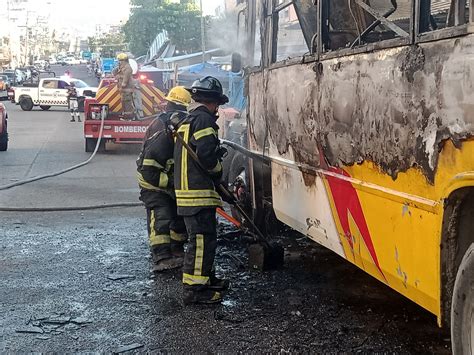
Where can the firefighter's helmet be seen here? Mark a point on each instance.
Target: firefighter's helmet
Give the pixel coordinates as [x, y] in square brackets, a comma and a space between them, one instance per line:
[209, 88]
[179, 95]
[122, 56]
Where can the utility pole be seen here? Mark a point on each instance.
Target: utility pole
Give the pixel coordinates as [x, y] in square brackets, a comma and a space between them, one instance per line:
[203, 34]
[27, 36]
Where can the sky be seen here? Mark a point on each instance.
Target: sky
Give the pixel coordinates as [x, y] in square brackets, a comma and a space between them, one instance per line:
[85, 14]
[82, 16]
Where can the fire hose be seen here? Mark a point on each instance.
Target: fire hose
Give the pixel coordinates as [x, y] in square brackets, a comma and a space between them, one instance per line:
[60, 172]
[223, 191]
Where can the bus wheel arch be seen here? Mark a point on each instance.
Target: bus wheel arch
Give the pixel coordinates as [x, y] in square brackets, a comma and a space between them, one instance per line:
[457, 239]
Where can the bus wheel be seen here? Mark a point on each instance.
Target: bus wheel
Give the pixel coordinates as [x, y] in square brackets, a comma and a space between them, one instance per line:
[462, 309]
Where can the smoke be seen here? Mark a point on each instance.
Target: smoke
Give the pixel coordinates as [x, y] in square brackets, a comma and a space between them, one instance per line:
[222, 32]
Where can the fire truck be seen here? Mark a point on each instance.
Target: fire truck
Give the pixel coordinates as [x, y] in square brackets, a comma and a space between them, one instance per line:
[149, 101]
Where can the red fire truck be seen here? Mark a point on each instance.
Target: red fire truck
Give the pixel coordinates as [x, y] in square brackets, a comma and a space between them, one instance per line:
[116, 129]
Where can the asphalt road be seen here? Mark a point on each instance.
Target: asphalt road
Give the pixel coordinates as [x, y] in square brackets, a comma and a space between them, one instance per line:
[80, 281]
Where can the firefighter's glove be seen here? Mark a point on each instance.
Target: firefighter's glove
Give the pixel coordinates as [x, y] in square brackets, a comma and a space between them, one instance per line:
[221, 153]
[226, 195]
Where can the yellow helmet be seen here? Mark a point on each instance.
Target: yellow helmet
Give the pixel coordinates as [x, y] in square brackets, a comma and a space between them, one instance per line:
[179, 95]
[122, 56]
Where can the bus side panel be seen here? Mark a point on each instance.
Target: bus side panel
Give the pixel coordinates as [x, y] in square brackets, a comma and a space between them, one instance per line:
[369, 138]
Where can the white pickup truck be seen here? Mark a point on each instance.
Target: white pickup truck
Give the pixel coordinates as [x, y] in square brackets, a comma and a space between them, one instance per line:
[51, 92]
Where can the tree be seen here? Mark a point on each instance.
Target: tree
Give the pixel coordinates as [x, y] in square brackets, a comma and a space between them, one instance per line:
[150, 17]
[92, 44]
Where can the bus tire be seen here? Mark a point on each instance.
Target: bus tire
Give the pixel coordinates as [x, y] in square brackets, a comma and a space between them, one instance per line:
[26, 104]
[462, 309]
[45, 107]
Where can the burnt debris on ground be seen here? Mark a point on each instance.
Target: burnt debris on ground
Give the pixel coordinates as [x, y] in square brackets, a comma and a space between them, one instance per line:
[81, 282]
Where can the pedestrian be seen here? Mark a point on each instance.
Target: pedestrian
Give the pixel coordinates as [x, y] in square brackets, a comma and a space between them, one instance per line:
[166, 230]
[72, 102]
[196, 194]
[125, 85]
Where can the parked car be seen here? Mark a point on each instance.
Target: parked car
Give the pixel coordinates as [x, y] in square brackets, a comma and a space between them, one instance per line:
[4, 86]
[72, 61]
[10, 73]
[40, 64]
[3, 128]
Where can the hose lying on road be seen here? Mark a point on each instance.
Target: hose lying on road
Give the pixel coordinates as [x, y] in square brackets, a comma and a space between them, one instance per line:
[60, 172]
[68, 208]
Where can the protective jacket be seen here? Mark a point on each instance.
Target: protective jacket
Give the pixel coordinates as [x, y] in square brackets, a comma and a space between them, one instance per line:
[124, 77]
[155, 162]
[195, 188]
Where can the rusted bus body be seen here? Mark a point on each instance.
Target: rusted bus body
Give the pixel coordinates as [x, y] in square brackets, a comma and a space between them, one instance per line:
[371, 147]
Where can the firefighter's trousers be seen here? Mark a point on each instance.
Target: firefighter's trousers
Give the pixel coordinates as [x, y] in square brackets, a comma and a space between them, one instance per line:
[166, 230]
[201, 248]
[127, 102]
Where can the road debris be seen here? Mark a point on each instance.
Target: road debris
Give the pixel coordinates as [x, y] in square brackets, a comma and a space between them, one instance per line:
[32, 330]
[58, 320]
[130, 347]
[255, 315]
[119, 277]
[43, 337]
[80, 320]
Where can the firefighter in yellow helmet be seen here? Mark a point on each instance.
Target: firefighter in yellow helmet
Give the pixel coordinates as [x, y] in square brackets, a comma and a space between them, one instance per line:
[166, 230]
[123, 74]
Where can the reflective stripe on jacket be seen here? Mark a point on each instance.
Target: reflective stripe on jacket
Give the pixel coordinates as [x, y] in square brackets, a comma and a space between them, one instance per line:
[155, 165]
[194, 188]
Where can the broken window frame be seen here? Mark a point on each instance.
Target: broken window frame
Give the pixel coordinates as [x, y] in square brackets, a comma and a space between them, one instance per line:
[253, 31]
[368, 47]
[448, 32]
[272, 19]
[319, 54]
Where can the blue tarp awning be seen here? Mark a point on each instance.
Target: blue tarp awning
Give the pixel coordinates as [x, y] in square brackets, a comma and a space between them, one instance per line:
[233, 84]
[193, 72]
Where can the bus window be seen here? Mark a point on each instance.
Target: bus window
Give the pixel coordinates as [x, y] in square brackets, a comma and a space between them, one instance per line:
[259, 33]
[290, 41]
[351, 23]
[439, 14]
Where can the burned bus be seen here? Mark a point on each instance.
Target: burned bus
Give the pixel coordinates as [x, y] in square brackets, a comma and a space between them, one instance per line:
[360, 122]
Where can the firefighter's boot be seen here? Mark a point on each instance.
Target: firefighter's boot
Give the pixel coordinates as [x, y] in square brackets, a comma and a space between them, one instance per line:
[167, 264]
[201, 296]
[218, 284]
